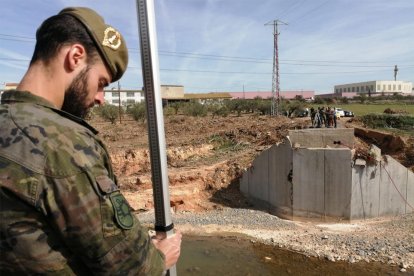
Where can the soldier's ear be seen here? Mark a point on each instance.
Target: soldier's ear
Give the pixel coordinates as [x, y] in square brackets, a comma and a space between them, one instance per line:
[75, 57]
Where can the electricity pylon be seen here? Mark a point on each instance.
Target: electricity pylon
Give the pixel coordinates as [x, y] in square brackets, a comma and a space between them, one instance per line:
[274, 110]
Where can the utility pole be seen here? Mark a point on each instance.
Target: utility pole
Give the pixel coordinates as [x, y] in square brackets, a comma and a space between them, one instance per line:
[395, 72]
[274, 110]
[119, 103]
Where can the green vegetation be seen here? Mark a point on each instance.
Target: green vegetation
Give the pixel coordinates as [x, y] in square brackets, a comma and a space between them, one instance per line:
[363, 109]
[224, 143]
[138, 111]
[194, 109]
[396, 121]
[360, 105]
[108, 112]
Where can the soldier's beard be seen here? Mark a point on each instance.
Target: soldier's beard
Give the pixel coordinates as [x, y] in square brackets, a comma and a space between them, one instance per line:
[75, 101]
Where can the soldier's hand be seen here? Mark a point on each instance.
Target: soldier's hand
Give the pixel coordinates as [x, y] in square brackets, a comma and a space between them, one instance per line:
[170, 247]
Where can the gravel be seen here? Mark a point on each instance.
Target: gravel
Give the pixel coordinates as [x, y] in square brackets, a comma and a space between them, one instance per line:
[253, 219]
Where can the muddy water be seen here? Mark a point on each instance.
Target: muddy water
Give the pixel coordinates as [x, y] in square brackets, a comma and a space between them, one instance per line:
[239, 256]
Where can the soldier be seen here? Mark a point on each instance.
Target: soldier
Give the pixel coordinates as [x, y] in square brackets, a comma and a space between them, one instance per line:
[61, 210]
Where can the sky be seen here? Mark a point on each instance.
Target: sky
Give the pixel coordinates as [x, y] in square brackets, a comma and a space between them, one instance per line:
[228, 45]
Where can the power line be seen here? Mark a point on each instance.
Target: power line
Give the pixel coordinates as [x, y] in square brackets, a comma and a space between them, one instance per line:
[310, 11]
[290, 8]
[287, 62]
[241, 59]
[17, 36]
[235, 72]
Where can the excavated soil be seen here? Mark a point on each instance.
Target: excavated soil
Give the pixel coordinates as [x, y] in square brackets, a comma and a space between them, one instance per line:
[206, 156]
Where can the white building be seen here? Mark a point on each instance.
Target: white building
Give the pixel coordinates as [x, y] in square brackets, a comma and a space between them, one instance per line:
[402, 87]
[126, 97]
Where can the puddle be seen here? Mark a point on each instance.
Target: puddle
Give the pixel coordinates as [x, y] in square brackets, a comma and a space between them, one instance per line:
[214, 255]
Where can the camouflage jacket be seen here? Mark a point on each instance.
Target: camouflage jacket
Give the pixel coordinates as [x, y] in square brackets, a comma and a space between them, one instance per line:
[61, 211]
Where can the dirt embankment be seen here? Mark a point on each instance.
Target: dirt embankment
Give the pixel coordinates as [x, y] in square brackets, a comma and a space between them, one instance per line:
[206, 156]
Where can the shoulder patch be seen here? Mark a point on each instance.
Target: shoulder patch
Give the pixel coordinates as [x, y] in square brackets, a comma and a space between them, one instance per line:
[122, 211]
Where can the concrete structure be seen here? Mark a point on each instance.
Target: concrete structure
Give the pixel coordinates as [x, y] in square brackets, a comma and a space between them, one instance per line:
[172, 92]
[381, 86]
[313, 174]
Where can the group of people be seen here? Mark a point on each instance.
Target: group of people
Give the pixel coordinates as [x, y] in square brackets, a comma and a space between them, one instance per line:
[323, 116]
[61, 210]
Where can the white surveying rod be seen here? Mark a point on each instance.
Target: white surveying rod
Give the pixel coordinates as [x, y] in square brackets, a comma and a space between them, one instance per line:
[156, 135]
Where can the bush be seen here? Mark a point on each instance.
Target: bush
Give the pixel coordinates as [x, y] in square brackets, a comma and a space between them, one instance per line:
[168, 111]
[138, 111]
[393, 111]
[344, 100]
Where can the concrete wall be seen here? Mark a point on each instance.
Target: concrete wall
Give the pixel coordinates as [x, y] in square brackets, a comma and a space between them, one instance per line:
[338, 177]
[321, 180]
[321, 138]
[267, 178]
[326, 183]
[280, 184]
[410, 192]
[365, 191]
[382, 190]
[308, 182]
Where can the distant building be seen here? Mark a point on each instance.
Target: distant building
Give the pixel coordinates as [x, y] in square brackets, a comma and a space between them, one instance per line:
[9, 86]
[172, 92]
[125, 97]
[348, 95]
[175, 93]
[208, 97]
[288, 95]
[375, 87]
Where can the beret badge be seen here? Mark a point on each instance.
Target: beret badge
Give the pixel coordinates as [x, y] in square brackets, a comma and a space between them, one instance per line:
[112, 38]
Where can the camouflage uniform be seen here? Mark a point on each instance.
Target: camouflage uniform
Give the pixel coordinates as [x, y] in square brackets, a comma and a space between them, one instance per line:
[61, 211]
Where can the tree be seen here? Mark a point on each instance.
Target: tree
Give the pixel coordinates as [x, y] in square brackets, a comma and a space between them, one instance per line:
[176, 106]
[300, 98]
[195, 109]
[319, 100]
[344, 100]
[108, 112]
[138, 111]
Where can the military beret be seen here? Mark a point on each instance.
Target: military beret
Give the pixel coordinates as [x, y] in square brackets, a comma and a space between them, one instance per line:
[111, 45]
